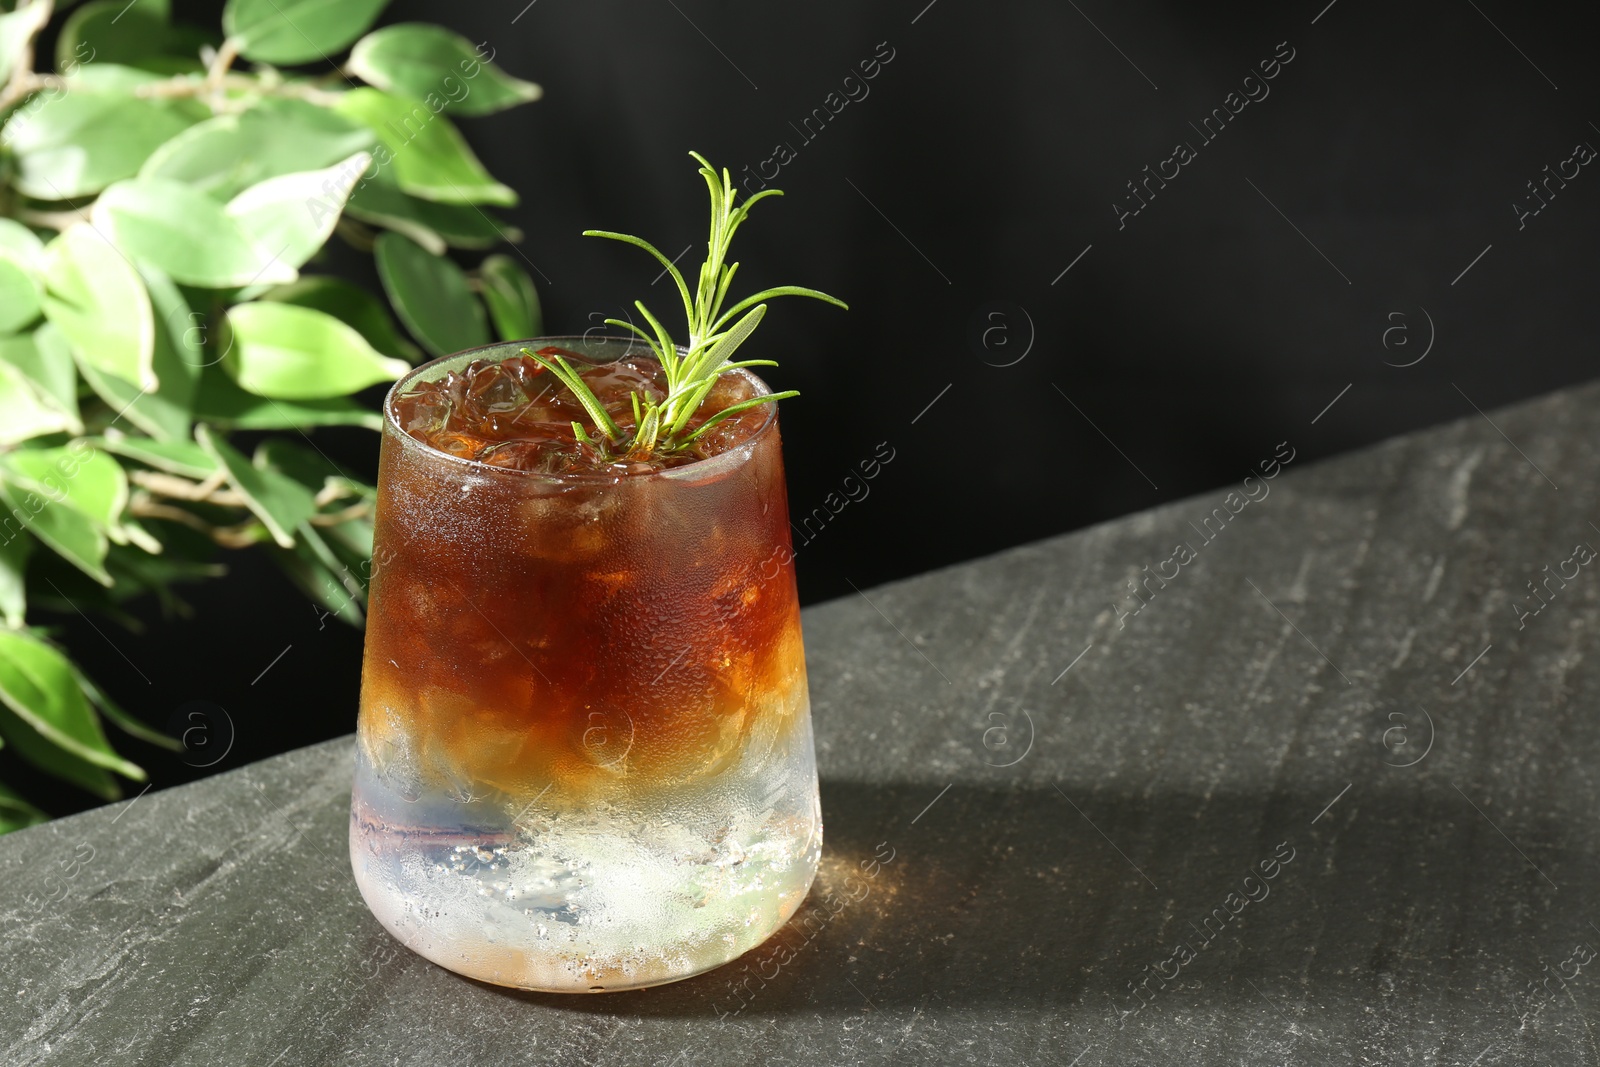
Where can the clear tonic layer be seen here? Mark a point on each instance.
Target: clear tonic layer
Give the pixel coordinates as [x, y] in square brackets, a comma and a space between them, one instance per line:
[621, 892]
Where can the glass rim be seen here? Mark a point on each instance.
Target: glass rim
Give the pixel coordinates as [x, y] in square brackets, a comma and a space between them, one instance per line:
[693, 471]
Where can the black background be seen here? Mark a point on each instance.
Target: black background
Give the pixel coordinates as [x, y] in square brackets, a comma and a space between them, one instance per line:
[1176, 353]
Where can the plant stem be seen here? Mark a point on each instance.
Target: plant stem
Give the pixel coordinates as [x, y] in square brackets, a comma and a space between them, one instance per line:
[241, 536]
[219, 68]
[175, 488]
[189, 85]
[22, 78]
[212, 491]
[218, 79]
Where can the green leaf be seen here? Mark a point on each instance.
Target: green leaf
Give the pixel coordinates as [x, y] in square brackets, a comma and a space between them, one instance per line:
[120, 718]
[295, 213]
[430, 157]
[314, 579]
[82, 140]
[16, 30]
[179, 349]
[190, 238]
[78, 476]
[223, 403]
[324, 577]
[296, 353]
[767, 294]
[20, 244]
[14, 551]
[437, 66]
[432, 225]
[176, 48]
[47, 756]
[97, 300]
[308, 467]
[67, 533]
[431, 295]
[297, 31]
[557, 365]
[164, 411]
[280, 502]
[738, 409]
[138, 571]
[327, 562]
[39, 685]
[513, 301]
[49, 370]
[225, 155]
[183, 458]
[150, 412]
[134, 533]
[722, 352]
[24, 411]
[116, 79]
[133, 35]
[351, 305]
[19, 296]
[16, 813]
[352, 541]
[96, 32]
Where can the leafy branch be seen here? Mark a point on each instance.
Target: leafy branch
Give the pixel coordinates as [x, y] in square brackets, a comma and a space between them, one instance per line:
[662, 427]
[165, 194]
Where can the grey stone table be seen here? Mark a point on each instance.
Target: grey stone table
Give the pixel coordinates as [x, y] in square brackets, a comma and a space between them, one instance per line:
[1325, 793]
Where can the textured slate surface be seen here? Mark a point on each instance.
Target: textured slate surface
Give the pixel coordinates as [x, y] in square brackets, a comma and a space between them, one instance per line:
[1312, 684]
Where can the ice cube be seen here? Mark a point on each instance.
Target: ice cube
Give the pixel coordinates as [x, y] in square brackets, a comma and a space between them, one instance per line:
[495, 390]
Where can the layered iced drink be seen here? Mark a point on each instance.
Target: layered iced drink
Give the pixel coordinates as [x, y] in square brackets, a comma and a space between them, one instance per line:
[585, 758]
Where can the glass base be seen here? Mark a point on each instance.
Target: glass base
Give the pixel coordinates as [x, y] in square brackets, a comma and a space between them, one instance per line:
[621, 891]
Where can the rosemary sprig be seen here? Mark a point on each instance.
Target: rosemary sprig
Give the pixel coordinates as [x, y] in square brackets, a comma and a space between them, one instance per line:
[714, 336]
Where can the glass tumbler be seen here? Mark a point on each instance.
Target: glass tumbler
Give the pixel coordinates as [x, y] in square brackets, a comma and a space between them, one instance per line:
[584, 756]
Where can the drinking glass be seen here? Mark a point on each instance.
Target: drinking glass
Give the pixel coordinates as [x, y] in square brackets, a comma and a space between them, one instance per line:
[584, 756]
